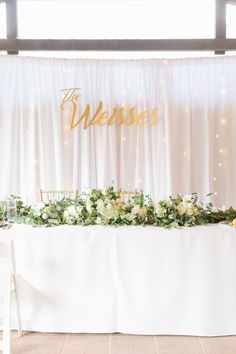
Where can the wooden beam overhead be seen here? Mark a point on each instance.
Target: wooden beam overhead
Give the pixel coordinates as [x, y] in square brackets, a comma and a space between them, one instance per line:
[219, 45]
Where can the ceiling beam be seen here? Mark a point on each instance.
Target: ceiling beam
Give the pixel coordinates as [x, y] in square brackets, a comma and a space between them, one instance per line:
[231, 2]
[218, 45]
[11, 19]
[220, 22]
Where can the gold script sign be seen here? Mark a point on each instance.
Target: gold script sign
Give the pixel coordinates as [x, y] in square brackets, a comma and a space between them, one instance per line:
[119, 115]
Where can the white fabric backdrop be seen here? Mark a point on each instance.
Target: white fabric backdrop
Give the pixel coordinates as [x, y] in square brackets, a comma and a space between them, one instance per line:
[134, 279]
[191, 149]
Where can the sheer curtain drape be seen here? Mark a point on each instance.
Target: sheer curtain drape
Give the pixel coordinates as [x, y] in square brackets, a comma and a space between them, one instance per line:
[192, 148]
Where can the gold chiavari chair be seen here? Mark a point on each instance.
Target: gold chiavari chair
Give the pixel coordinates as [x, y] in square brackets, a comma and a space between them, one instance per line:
[55, 195]
[126, 196]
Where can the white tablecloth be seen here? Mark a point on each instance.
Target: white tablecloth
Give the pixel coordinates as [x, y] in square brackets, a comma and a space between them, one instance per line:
[142, 280]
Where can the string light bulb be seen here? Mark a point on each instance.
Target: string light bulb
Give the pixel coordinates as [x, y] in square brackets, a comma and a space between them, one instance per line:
[224, 121]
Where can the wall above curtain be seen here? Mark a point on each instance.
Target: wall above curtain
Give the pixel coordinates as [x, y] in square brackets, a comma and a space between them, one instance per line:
[166, 126]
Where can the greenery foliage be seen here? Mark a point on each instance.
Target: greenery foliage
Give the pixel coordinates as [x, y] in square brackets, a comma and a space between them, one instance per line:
[105, 207]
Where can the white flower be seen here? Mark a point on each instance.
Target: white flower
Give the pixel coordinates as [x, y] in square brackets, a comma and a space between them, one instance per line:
[109, 206]
[143, 212]
[66, 213]
[89, 207]
[135, 210]
[160, 211]
[79, 210]
[44, 216]
[181, 209]
[169, 203]
[187, 198]
[190, 211]
[72, 210]
[130, 217]
[98, 221]
[53, 221]
[100, 202]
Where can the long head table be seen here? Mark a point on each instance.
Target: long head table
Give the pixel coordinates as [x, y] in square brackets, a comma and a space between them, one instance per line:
[142, 280]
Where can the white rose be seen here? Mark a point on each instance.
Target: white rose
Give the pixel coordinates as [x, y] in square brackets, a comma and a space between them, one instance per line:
[98, 221]
[109, 206]
[66, 213]
[100, 202]
[169, 203]
[181, 209]
[135, 210]
[72, 210]
[44, 216]
[160, 211]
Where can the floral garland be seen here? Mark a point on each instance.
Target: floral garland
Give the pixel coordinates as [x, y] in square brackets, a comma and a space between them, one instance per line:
[105, 207]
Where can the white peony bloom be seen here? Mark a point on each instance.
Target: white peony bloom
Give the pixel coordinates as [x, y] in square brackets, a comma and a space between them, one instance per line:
[135, 210]
[109, 206]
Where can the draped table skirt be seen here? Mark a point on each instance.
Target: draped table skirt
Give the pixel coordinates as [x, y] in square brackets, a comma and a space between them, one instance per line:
[134, 279]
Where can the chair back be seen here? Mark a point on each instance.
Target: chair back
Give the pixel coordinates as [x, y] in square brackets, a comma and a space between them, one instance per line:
[6, 256]
[55, 195]
[126, 196]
